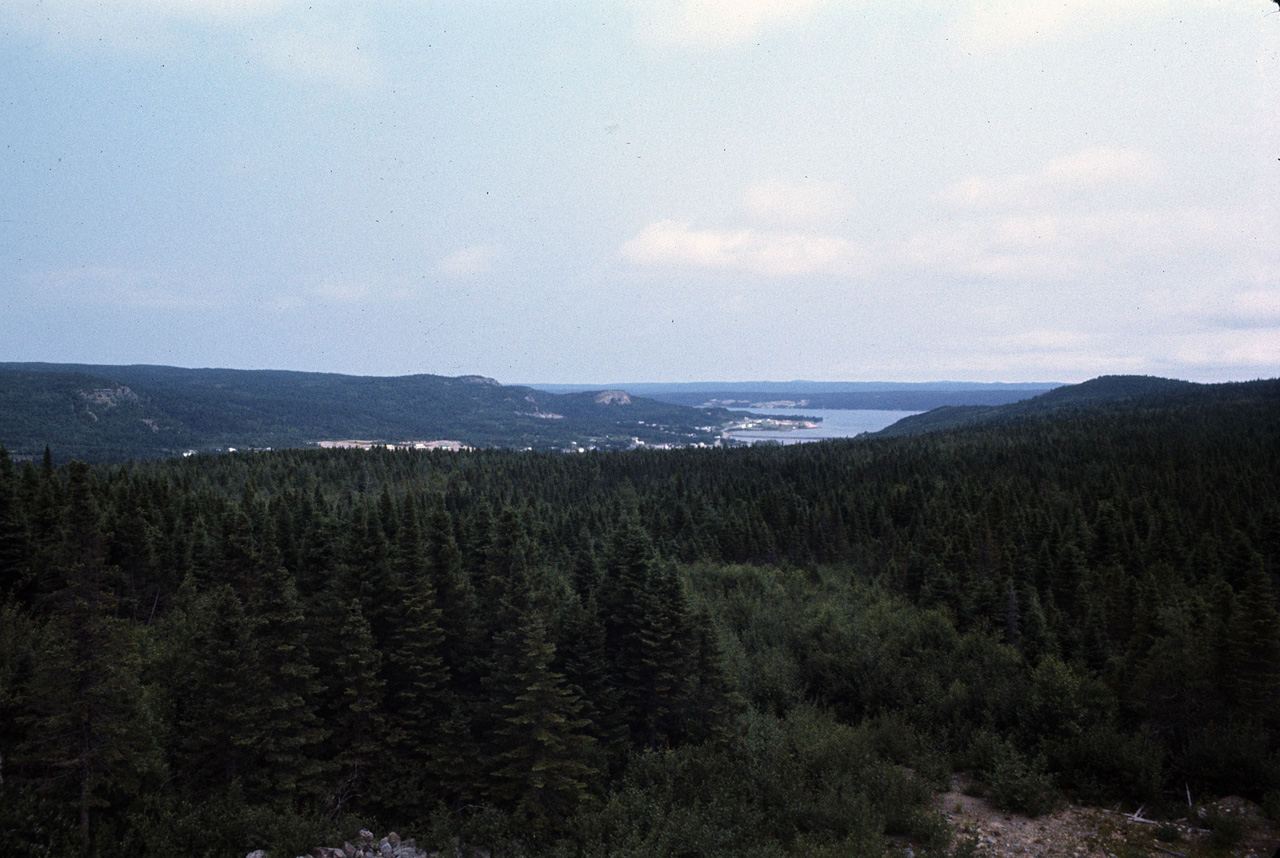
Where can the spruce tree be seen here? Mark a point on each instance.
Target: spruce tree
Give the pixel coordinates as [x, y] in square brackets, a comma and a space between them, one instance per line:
[86, 729]
[291, 728]
[215, 685]
[1256, 636]
[453, 591]
[360, 724]
[419, 697]
[15, 577]
[543, 747]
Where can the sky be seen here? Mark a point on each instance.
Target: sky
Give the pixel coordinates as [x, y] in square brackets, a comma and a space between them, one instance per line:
[599, 191]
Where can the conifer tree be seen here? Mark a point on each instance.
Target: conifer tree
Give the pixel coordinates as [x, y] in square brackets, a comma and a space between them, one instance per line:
[215, 683]
[1012, 617]
[365, 573]
[291, 728]
[420, 701]
[1036, 640]
[711, 705]
[583, 659]
[646, 632]
[86, 729]
[14, 549]
[1256, 636]
[453, 591]
[543, 746]
[360, 724]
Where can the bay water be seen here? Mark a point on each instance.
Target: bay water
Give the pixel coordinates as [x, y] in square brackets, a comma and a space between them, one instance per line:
[836, 423]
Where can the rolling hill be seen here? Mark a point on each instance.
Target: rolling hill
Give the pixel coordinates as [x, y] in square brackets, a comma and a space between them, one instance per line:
[1113, 392]
[113, 413]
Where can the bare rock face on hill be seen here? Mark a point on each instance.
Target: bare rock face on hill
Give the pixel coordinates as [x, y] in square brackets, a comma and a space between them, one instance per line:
[110, 397]
[613, 397]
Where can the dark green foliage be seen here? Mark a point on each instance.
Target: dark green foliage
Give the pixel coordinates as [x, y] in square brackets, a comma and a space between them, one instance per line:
[289, 723]
[1114, 391]
[806, 783]
[15, 572]
[360, 725]
[720, 652]
[541, 763]
[212, 666]
[86, 735]
[1011, 778]
[420, 702]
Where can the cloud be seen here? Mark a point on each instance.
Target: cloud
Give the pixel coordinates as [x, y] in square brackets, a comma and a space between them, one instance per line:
[1229, 350]
[355, 289]
[1045, 341]
[334, 54]
[131, 24]
[1072, 245]
[992, 25]
[1076, 216]
[469, 261]
[289, 36]
[715, 23]
[1061, 179]
[121, 286]
[1014, 247]
[671, 244]
[782, 201]
[1254, 309]
[207, 9]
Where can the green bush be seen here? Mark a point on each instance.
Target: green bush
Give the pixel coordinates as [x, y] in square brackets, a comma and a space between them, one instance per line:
[1101, 763]
[1013, 781]
[37, 825]
[803, 779]
[1232, 759]
[896, 740]
[227, 825]
[1227, 829]
[1022, 785]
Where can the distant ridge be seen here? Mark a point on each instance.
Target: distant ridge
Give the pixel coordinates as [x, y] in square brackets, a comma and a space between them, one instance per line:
[1111, 392]
[113, 413]
[650, 388]
[867, 395]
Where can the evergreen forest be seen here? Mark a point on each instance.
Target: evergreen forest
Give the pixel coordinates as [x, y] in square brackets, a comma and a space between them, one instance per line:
[768, 651]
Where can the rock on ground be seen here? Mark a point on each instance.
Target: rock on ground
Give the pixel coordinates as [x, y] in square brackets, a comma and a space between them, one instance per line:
[1072, 831]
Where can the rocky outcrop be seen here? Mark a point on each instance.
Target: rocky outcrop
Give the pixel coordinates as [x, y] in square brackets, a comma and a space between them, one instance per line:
[390, 846]
[980, 828]
[110, 397]
[613, 397]
[537, 411]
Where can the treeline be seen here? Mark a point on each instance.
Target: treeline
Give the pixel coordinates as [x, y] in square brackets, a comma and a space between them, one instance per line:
[762, 651]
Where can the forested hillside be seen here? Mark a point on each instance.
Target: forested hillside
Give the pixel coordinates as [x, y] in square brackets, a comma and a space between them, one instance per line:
[748, 652]
[1126, 392]
[116, 413]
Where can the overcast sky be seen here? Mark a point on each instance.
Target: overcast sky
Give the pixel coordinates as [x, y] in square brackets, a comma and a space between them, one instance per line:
[644, 190]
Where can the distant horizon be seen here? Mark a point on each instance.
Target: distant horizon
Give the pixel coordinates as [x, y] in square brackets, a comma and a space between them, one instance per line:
[756, 385]
[999, 191]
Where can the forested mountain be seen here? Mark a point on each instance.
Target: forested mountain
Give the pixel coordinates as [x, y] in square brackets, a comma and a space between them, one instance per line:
[764, 651]
[114, 413]
[1115, 392]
